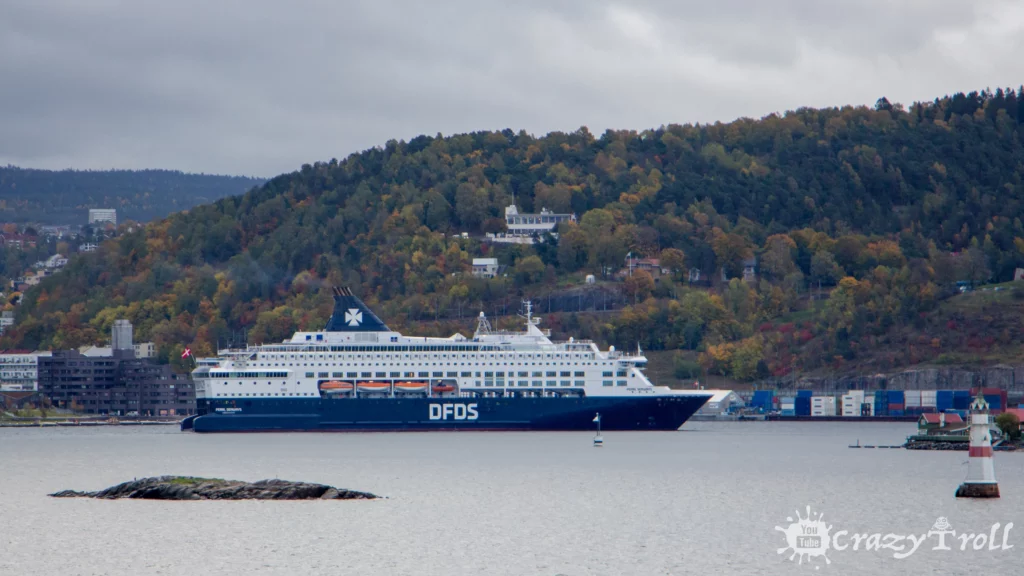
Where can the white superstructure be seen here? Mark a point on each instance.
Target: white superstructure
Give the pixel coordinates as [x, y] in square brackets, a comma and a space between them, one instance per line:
[385, 363]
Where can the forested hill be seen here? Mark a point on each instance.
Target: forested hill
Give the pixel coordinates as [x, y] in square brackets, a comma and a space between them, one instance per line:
[883, 208]
[65, 196]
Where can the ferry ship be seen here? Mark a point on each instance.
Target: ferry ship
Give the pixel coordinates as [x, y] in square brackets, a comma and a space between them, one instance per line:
[358, 375]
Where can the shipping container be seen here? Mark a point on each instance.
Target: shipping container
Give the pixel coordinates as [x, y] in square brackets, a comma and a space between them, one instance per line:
[803, 406]
[944, 400]
[802, 393]
[900, 407]
[789, 413]
[895, 397]
[763, 399]
[962, 401]
[912, 397]
[895, 412]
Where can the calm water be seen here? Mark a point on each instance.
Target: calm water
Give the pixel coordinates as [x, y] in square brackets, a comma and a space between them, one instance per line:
[704, 500]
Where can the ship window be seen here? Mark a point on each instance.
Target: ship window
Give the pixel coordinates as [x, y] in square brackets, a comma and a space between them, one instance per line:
[550, 374]
[350, 374]
[424, 374]
[565, 383]
[580, 383]
[537, 374]
[381, 374]
[552, 383]
[563, 374]
[620, 383]
[396, 374]
[606, 374]
[453, 374]
[620, 374]
[409, 375]
[524, 374]
[606, 383]
[364, 374]
[338, 374]
[523, 383]
[466, 375]
[309, 374]
[322, 374]
[538, 383]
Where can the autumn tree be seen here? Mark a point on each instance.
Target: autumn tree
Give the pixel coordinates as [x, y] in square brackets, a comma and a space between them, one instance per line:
[731, 250]
[673, 260]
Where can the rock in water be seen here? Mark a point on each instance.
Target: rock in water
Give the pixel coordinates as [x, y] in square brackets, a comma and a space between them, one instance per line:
[190, 488]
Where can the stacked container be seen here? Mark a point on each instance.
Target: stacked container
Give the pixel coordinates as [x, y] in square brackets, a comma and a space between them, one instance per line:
[943, 400]
[897, 402]
[929, 398]
[911, 399]
[823, 406]
[853, 403]
[763, 400]
[881, 403]
[803, 405]
[788, 406]
[961, 399]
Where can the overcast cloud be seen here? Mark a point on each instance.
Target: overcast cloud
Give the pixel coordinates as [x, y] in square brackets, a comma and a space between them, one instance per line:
[260, 87]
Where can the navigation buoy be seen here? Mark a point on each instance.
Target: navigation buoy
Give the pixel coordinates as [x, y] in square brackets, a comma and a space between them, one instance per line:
[598, 439]
[981, 476]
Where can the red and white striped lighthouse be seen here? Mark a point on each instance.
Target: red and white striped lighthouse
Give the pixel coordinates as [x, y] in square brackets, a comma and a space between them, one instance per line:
[981, 476]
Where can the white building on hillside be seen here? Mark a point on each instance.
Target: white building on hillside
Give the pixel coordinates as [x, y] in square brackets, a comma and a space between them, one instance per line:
[485, 267]
[101, 215]
[523, 228]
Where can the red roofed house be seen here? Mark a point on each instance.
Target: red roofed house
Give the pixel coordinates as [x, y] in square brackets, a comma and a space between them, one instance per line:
[941, 423]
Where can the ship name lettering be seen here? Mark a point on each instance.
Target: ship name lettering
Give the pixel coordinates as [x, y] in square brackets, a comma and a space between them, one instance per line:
[453, 412]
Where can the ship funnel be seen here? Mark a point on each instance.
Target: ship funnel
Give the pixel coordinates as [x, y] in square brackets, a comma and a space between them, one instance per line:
[351, 315]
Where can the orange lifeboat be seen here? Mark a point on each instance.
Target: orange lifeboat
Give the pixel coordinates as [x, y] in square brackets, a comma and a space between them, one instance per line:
[374, 386]
[443, 388]
[411, 386]
[335, 386]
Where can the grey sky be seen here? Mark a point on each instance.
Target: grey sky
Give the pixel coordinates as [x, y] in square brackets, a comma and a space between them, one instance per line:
[260, 87]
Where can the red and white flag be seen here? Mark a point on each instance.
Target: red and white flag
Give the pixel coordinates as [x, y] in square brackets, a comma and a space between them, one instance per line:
[187, 352]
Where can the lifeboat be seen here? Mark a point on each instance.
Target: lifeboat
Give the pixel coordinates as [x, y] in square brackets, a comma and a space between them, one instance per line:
[443, 388]
[374, 386]
[335, 387]
[411, 386]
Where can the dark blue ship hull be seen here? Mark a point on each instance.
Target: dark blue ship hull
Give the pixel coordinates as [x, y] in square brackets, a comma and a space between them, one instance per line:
[407, 414]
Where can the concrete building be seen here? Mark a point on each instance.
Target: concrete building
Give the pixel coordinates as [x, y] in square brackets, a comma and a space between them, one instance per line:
[145, 350]
[121, 336]
[102, 215]
[19, 370]
[87, 248]
[101, 380]
[117, 385]
[485, 267]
